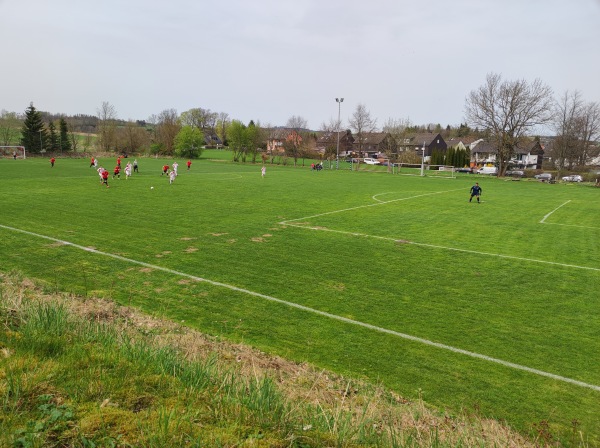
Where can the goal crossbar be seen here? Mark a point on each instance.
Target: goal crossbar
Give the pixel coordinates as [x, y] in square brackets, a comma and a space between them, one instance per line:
[13, 151]
[416, 169]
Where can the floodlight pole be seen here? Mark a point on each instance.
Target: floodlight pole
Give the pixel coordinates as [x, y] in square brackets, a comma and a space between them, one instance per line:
[423, 160]
[337, 157]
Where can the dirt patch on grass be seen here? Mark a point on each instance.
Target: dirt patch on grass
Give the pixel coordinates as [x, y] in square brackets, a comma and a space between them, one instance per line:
[218, 234]
[189, 250]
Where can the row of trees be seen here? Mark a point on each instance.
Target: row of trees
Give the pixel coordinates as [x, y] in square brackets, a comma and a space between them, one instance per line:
[505, 112]
[38, 138]
[510, 111]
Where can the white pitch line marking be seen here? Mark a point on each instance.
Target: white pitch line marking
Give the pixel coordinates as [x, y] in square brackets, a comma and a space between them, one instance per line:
[435, 246]
[321, 313]
[569, 225]
[291, 222]
[374, 197]
[367, 205]
[545, 217]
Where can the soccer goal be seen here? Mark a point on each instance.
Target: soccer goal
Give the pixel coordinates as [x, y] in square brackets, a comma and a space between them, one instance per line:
[416, 169]
[15, 152]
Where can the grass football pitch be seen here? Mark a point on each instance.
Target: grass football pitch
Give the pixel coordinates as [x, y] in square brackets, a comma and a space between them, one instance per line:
[491, 307]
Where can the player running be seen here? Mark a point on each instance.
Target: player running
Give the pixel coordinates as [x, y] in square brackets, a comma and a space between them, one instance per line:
[105, 177]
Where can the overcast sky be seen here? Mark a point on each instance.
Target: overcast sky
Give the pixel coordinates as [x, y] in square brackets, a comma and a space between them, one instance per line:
[268, 60]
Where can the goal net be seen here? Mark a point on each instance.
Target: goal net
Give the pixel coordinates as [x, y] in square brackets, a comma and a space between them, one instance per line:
[415, 169]
[13, 152]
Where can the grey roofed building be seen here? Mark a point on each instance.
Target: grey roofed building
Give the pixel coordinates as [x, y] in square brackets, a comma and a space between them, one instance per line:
[431, 141]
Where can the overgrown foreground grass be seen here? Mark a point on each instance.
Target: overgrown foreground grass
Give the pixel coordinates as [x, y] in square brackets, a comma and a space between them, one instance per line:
[87, 372]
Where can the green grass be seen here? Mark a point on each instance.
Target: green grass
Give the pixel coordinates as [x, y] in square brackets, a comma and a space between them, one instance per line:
[518, 290]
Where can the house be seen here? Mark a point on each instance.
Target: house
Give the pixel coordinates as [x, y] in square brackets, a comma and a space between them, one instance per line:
[212, 140]
[374, 144]
[484, 153]
[327, 142]
[279, 137]
[527, 157]
[465, 143]
[430, 141]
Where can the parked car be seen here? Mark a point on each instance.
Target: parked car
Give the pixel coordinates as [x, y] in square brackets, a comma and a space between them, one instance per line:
[573, 178]
[370, 161]
[543, 177]
[515, 173]
[487, 170]
[464, 170]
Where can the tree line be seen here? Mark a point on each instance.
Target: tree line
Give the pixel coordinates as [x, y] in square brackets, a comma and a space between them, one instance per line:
[504, 112]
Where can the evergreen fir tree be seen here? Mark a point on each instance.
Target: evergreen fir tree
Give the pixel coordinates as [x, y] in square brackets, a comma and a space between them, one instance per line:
[451, 156]
[53, 141]
[65, 143]
[33, 133]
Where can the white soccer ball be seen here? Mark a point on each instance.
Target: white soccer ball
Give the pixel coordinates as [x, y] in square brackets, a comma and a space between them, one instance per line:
[151, 188]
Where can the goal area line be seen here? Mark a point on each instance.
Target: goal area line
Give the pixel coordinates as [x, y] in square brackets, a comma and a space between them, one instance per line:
[303, 225]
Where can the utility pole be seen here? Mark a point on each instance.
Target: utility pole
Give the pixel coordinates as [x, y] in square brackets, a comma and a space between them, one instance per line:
[337, 158]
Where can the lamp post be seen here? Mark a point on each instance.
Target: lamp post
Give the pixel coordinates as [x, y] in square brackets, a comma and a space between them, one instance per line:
[337, 157]
[423, 160]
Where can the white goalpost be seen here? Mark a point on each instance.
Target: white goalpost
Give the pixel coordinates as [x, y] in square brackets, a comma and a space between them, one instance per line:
[15, 152]
[416, 169]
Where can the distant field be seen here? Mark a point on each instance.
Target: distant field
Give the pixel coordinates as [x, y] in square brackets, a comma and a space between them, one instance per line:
[491, 307]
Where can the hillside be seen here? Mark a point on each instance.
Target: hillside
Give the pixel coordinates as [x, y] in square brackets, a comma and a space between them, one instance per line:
[87, 372]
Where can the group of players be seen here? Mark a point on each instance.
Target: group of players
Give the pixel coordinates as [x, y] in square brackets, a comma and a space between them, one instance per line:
[170, 171]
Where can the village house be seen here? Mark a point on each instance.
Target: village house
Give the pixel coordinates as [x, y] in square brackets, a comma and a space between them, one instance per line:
[528, 157]
[430, 141]
[327, 143]
[279, 137]
[374, 144]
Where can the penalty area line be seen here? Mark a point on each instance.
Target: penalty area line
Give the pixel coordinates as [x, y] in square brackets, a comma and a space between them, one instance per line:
[317, 312]
[543, 221]
[367, 205]
[436, 246]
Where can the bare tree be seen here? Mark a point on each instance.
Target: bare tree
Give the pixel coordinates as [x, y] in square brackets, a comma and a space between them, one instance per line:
[221, 127]
[297, 138]
[566, 121]
[107, 126]
[362, 123]
[331, 126]
[72, 136]
[330, 131]
[397, 129]
[166, 128]
[508, 110]
[577, 126]
[590, 132]
[132, 137]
